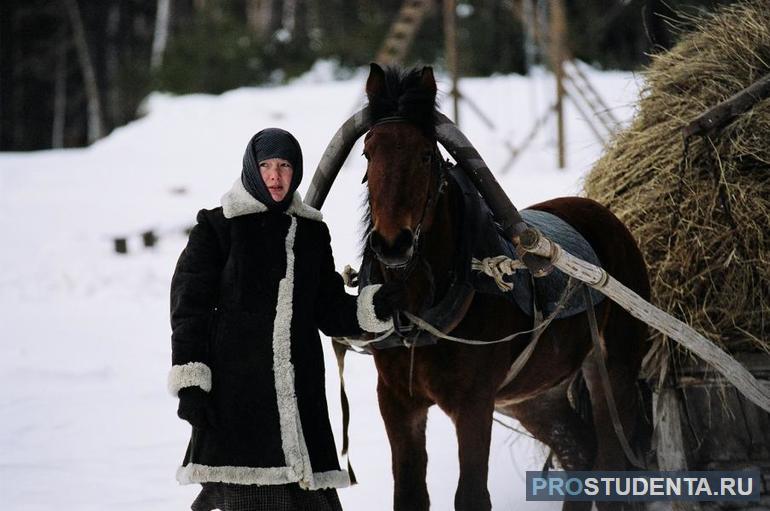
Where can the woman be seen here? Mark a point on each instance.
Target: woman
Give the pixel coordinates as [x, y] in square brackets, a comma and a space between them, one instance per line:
[250, 291]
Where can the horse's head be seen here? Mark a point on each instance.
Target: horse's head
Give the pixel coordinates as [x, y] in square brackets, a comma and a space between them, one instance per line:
[403, 170]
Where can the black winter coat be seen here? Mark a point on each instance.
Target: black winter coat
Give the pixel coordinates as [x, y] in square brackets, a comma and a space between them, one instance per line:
[249, 293]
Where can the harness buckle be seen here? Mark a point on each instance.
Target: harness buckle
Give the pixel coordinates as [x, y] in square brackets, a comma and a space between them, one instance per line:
[402, 326]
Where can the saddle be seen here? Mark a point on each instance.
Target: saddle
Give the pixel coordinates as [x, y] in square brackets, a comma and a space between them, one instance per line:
[479, 237]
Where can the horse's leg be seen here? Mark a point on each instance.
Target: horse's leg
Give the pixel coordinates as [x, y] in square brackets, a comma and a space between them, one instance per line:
[473, 424]
[405, 419]
[552, 420]
[624, 338]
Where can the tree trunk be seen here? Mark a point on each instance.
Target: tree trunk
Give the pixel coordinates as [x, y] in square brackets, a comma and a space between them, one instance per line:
[114, 105]
[289, 21]
[259, 15]
[9, 71]
[95, 120]
[161, 33]
[60, 95]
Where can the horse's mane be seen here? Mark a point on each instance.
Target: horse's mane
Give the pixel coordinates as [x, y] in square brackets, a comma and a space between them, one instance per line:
[404, 96]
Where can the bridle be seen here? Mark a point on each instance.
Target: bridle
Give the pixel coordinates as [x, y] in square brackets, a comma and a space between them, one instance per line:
[435, 189]
[402, 326]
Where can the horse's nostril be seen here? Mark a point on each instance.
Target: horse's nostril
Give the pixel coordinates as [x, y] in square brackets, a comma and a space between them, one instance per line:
[397, 251]
[403, 241]
[375, 242]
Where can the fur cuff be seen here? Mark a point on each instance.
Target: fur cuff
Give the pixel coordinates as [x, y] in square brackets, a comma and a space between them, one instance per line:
[326, 480]
[192, 374]
[367, 319]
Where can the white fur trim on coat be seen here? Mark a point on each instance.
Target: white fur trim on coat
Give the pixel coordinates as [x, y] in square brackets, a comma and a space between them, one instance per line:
[367, 319]
[283, 369]
[194, 473]
[238, 201]
[191, 374]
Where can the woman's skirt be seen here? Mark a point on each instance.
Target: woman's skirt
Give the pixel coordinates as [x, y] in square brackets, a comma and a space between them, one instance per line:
[251, 497]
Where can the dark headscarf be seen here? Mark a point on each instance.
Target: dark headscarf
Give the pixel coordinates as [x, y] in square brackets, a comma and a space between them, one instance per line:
[271, 143]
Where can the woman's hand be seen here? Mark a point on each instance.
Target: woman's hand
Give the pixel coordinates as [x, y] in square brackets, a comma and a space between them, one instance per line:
[390, 297]
[195, 407]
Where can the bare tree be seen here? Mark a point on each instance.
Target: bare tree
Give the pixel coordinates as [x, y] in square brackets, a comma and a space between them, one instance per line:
[95, 119]
[259, 15]
[113, 93]
[60, 93]
[161, 33]
[289, 21]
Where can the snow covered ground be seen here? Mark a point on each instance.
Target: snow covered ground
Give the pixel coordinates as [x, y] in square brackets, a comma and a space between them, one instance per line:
[86, 422]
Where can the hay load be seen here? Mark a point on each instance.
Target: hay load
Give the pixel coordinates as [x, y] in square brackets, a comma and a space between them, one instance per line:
[701, 213]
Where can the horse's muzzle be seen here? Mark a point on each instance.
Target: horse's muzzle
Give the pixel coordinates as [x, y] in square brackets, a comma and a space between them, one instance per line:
[395, 254]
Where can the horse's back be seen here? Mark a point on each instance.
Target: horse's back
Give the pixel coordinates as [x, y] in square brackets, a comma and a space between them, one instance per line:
[608, 236]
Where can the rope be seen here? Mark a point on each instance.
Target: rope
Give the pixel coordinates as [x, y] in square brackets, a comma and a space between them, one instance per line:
[524, 356]
[498, 267]
[424, 325]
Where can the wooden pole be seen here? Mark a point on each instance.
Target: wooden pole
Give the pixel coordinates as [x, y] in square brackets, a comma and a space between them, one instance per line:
[719, 116]
[450, 49]
[535, 243]
[558, 29]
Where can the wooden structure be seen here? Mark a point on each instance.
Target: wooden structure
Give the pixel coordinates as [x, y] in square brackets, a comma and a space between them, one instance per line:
[570, 82]
[403, 30]
[704, 423]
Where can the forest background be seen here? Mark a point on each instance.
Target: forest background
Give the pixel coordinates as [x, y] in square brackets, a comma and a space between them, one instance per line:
[71, 71]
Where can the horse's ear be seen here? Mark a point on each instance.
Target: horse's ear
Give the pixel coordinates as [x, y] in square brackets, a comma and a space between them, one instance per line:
[375, 84]
[427, 80]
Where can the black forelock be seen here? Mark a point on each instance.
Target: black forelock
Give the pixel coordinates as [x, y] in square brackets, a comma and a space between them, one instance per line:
[405, 97]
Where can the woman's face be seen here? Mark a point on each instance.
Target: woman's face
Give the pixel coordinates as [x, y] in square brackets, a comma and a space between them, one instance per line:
[276, 173]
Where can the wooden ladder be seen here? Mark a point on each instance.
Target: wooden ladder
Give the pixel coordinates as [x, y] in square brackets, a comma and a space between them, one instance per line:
[402, 31]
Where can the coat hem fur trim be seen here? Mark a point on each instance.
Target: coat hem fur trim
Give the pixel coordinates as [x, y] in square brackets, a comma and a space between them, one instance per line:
[292, 440]
[194, 473]
[191, 374]
[367, 319]
[238, 201]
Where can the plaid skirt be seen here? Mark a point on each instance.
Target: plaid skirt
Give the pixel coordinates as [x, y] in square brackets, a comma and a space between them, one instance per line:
[251, 497]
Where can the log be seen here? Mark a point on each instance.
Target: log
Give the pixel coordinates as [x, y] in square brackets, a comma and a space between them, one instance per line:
[719, 116]
[533, 242]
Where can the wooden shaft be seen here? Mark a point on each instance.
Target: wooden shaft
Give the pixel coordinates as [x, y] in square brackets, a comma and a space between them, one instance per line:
[532, 241]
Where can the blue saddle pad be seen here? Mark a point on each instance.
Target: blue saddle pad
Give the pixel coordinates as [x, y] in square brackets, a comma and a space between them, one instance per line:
[549, 289]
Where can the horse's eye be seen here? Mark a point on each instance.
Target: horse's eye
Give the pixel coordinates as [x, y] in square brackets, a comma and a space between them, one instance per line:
[366, 177]
[366, 155]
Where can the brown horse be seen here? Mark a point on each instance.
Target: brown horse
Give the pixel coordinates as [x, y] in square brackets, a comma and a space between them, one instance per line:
[407, 201]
